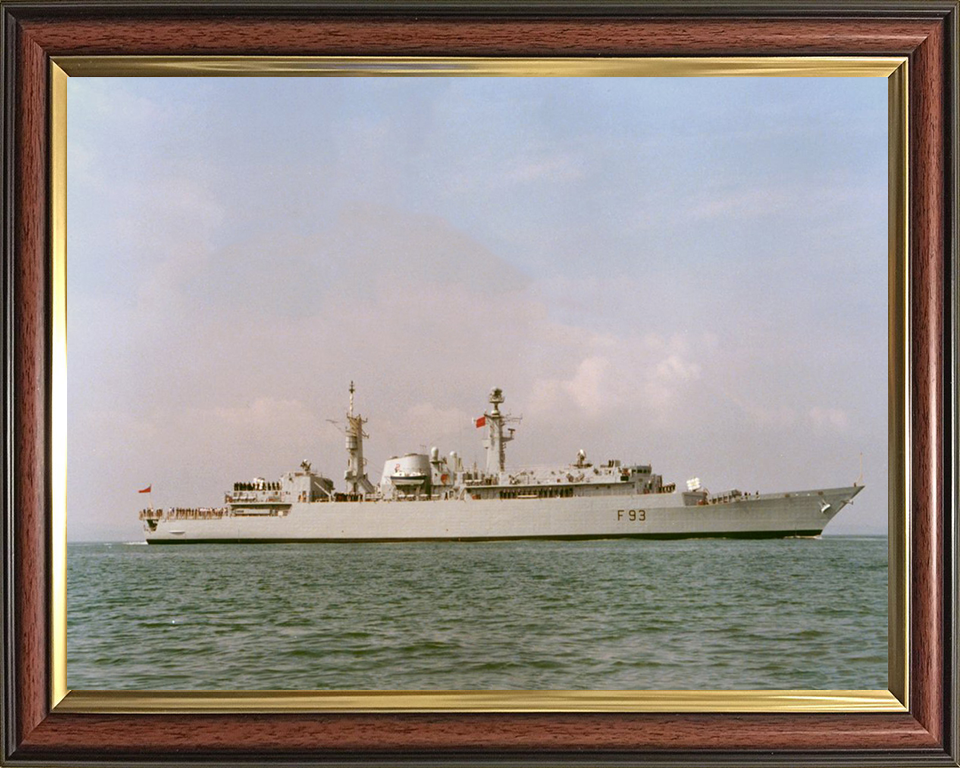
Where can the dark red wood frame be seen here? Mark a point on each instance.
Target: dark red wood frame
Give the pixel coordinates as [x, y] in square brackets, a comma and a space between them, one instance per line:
[923, 31]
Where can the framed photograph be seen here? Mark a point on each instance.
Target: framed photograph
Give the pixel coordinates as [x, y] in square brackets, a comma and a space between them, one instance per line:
[419, 223]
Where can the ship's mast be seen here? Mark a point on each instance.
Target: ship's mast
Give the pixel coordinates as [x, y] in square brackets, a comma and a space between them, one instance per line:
[356, 475]
[496, 441]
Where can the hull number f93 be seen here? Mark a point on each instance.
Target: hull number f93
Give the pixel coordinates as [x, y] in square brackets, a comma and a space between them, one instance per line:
[633, 515]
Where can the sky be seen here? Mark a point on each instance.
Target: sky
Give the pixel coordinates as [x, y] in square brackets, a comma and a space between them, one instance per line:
[687, 272]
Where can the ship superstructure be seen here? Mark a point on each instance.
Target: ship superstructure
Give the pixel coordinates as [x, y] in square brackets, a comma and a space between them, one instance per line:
[427, 496]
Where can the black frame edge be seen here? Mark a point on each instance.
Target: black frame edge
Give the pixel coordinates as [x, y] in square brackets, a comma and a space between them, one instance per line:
[951, 444]
[8, 29]
[494, 8]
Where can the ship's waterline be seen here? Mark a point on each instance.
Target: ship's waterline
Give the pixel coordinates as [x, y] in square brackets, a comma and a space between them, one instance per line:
[426, 497]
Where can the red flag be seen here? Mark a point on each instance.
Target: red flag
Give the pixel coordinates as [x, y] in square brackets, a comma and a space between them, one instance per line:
[482, 421]
[146, 490]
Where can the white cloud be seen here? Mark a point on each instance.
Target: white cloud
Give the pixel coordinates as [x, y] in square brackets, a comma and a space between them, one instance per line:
[585, 391]
[645, 376]
[587, 386]
[829, 418]
[667, 372]
[675, 369]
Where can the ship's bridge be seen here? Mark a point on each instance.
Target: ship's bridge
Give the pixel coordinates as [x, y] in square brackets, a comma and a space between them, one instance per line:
[303, 485]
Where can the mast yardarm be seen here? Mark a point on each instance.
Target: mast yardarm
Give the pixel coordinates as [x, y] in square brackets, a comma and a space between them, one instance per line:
[356, 474]
[496, 441]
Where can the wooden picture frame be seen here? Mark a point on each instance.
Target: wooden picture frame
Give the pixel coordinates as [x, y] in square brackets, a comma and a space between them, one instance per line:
[36, 731]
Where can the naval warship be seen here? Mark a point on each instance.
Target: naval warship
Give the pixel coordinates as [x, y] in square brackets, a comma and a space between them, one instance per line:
[430, 497]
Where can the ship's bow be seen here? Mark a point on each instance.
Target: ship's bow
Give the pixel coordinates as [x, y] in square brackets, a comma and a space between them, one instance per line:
[835, 499]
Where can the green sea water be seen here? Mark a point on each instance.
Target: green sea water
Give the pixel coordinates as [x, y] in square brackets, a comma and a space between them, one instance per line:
[694, 614]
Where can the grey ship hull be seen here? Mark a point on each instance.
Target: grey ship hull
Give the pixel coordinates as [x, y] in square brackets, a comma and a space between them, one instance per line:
[651, 516]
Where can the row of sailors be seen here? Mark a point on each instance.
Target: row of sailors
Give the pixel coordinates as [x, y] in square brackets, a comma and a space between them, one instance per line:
[183, 513]
[258, 486]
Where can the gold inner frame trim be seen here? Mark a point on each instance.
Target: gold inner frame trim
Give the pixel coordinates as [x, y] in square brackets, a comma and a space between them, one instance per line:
[58, 390]
[899, 394]
[131, 702]
[419, 66]
[895, 69]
